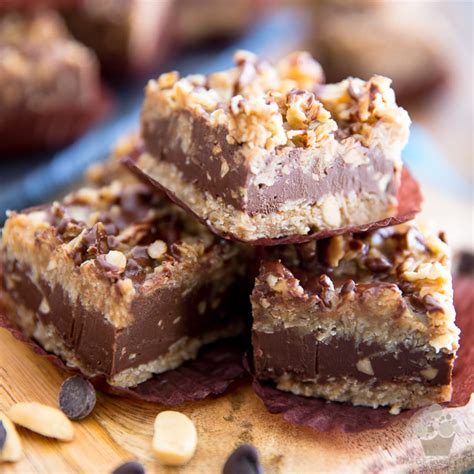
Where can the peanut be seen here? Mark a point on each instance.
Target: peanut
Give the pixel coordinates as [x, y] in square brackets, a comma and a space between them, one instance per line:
[42, 419]
[157, 249]
[175, 438]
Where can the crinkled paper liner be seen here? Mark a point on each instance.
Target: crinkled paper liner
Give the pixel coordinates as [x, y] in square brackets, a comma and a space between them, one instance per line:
[409, 204]
[320, 415]
[26, 131]
[217, 367]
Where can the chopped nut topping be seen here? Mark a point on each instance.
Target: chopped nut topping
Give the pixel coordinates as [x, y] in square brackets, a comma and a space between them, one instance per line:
[157, 249]
[401, 269]
[224, 168]
[348, 287]
[361, 104]
[168, 80]
[117, 259]
[268, 106]
[128, 230]
[87, 195]
[38, 216]
[272, 280]
[262, 105]
[301, 67]
[256, 122]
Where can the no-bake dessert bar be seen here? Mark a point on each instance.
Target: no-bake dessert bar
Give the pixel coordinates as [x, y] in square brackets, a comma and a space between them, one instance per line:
[269, 151]
[50, 89]
[119, 282]
[129, 37]
[406, 42]
[211, 21]
[360, 318]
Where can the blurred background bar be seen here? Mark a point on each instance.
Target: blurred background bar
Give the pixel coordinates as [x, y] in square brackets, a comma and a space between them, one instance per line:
[72, 74]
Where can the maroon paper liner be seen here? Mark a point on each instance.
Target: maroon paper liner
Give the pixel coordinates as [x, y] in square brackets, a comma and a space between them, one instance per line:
[26, 131]
[409, 198]
[34, 5]
[217, 367]
[323, 416]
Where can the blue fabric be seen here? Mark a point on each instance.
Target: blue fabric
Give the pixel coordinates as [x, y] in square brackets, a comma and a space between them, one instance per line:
[429, 166]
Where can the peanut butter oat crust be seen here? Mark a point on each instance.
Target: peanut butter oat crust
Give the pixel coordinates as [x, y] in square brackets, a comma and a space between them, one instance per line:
[274, 148]
[364, 318]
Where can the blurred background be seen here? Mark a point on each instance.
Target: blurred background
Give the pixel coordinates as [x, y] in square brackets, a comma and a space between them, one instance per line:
[72, 74]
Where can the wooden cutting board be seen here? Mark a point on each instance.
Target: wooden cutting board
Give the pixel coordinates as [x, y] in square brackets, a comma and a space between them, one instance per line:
[121, 430]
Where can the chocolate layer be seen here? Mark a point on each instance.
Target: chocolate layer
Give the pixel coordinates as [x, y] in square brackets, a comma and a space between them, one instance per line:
[202, 153]
[409, 204]
[299, 353]
[162, 316]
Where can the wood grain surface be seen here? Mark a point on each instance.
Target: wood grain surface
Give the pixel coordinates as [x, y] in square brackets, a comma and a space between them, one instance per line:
[120, 430]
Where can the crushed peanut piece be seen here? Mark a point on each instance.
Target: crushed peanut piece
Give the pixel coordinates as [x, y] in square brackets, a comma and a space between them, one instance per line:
[174, 439]
[157, 249]
[117, 259]
[430, 373]
[302, 68]
[365, 366]
[42, 419]
[331, 212]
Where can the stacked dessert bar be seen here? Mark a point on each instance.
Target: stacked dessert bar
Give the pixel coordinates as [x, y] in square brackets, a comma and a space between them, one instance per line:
[127, 280]
[50, 89]
[118, 281]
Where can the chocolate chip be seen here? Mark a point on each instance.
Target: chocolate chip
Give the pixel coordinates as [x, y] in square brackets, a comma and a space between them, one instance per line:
[134, 271]
[68, 228]
[96, 239]
[307, 251]
[348, 287]
[465, 263]
[442, 237]
[244, 460]
[356, 245]
[3, 436]
[131, 467]
[417, 303]
[77, 397]
[431, 304]
[377, 264]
